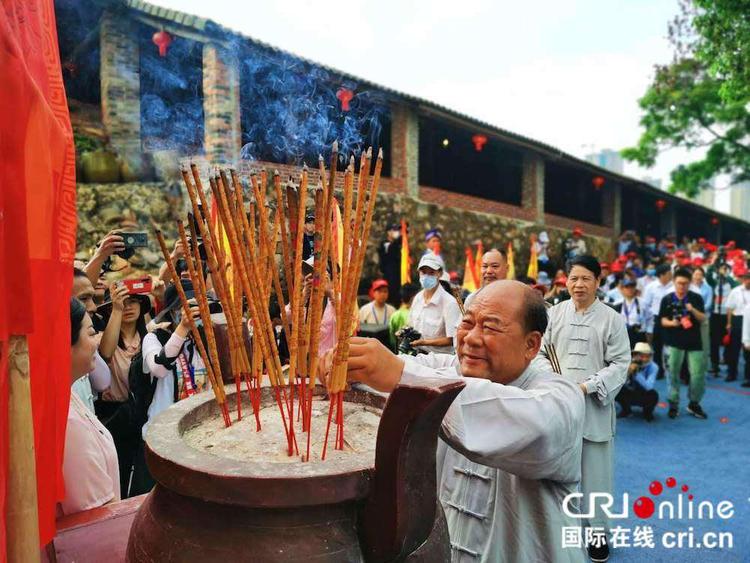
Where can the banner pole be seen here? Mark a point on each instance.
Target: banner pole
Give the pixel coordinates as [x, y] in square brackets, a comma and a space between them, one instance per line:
[22, 515]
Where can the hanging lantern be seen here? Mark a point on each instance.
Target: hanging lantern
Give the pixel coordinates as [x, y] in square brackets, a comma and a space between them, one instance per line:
[660, 205]
[479, 141]
[715, 221]
[162, 39]
[345, 96]
[598, 182]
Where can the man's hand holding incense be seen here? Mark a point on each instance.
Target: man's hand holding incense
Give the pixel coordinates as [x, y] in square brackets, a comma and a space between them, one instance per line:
[369, 362]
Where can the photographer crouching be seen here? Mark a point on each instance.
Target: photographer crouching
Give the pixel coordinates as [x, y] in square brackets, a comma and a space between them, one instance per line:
[639, 387]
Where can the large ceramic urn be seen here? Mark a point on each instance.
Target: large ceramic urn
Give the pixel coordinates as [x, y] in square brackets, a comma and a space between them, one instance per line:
[353, 506]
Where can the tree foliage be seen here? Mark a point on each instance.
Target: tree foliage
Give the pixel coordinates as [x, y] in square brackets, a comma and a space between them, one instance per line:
[702, 99]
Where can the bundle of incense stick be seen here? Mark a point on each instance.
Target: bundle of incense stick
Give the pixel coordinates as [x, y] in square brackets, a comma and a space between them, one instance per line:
[255, 226]
[211, 362]
[553, 359]
[355, 246]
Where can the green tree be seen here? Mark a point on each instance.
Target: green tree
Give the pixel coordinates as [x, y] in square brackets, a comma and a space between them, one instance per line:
[701, 100]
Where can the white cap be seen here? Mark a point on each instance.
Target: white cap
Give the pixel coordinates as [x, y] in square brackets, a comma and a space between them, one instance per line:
[431, 260]
[642, 348]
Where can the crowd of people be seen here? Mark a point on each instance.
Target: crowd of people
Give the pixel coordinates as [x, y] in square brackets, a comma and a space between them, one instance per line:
[548, 358]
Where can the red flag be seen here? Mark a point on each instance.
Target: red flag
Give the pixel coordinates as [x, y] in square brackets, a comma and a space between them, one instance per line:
[37, 235]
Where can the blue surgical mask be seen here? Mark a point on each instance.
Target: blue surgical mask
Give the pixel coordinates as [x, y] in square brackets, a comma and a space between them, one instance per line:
[428, 282]
[651, 272]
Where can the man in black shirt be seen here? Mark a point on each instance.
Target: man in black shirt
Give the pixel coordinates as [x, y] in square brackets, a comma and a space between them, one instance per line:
[680, 315]
[389, 252]
[308, 240]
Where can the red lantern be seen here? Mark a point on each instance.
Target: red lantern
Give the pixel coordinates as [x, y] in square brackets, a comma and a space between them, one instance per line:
[660, 205]
[598, 182]
[715, 221]
[345, 96]
[162, 39]
[479, 142]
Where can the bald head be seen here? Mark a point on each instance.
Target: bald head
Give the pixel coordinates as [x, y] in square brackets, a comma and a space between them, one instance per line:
[501, 332]
[494, 266]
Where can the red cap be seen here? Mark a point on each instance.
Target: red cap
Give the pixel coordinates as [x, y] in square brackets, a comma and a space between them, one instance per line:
[623, 259]
[731, 244]
[685, 262]
[377, 284]
[649, 238]
[631, 254]
[603, 265]
[561, 280]
[670, 245]
[697, 261]
[701, 241]
[578, 231]
[617, 267]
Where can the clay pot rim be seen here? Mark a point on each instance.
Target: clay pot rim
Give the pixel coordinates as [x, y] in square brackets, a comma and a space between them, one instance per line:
[191, 472]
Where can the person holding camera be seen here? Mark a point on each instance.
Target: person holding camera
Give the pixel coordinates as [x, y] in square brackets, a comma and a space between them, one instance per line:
[121, 341]
[434, 313]
[639, 386]
[680, 315]
[632, 311]
[112, 243]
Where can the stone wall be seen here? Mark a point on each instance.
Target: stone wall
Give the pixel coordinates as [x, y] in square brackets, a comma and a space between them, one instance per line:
[104, 207]
[134, 206]
[462, 227]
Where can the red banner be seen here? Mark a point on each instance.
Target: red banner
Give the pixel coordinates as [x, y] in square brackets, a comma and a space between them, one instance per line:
[37, 234]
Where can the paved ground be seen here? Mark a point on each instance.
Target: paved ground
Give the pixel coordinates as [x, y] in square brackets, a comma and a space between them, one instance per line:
[711, 457]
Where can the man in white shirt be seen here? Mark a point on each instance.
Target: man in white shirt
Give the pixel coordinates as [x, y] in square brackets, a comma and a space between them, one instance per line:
[652, 297]
[434, 312]
[592, 349]
[494, 267]
[633, 312]
[738, 305]
[510, 446]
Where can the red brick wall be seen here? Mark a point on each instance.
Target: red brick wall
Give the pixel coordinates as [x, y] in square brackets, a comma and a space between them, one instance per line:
[473, 203]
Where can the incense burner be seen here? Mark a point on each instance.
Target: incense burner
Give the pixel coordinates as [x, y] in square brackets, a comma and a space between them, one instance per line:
[207, 507]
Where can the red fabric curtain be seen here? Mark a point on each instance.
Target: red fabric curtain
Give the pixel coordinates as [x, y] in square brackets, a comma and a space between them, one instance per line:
[37, 234]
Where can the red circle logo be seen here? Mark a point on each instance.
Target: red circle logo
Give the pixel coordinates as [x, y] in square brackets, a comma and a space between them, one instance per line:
[643, 507]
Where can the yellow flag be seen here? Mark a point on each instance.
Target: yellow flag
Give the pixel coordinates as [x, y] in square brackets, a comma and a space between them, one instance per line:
[405, 258]
[470, 274]
[511, 263]
[533, 269]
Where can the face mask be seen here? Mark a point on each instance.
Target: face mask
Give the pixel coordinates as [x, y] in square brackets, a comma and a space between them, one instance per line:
[651, 246]
[651, 272]
[427, 282]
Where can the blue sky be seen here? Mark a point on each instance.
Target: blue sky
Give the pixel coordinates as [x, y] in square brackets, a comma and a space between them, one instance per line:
[568, 73]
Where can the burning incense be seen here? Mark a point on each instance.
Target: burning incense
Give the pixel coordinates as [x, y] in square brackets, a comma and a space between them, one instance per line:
[216, 384]
[247, 267]
[217, 270]
[192, 259]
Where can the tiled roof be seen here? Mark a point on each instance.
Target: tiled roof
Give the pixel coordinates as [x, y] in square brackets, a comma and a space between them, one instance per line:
[213, 29]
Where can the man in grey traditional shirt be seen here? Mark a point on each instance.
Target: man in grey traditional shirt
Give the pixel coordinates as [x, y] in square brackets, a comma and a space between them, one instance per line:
[592, 348]
[510, 445]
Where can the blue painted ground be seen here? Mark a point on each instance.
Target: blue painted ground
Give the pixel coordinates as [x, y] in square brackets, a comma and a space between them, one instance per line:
[711, 456]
